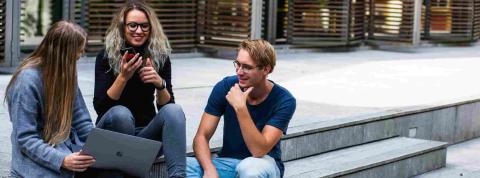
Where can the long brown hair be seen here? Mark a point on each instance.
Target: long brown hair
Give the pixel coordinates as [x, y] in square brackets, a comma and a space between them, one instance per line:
[56, 58]
[157, 47]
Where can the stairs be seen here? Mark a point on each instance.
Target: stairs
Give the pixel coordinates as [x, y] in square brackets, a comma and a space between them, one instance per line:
[394, 157]
[391, 144]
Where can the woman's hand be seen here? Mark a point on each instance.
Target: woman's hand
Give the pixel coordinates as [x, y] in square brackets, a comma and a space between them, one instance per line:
[129, 66]
[149, 75]
[77, 162]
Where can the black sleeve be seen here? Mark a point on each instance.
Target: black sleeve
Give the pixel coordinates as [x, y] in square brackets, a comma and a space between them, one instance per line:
[103, 80]
[166, 73]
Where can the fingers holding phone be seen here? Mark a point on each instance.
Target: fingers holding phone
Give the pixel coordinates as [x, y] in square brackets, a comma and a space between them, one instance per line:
[130, 64]
[131, 52]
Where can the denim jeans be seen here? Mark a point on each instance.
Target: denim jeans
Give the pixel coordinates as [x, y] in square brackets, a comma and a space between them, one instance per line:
[168, 126]
[250, 167]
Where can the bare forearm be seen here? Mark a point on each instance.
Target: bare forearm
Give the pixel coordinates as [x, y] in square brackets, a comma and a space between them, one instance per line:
[202, 153]
[115, 91]
[163, 96]
[255, 141]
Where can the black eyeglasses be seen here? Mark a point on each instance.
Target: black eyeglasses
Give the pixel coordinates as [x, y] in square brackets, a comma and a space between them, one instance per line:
[244, 67]
[133, 26]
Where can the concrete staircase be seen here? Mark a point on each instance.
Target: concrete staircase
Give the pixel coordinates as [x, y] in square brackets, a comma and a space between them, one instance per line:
[388, 144]
[394, 157]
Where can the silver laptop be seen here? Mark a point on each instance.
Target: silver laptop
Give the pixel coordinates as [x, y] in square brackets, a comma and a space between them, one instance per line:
[113, 150]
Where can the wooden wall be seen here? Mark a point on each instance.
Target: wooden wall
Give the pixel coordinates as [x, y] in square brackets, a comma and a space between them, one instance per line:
[223, 23]
[327, 22]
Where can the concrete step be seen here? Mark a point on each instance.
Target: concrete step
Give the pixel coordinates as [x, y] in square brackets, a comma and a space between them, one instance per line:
[395, 157]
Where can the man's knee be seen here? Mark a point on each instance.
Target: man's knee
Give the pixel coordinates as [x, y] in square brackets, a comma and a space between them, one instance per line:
[192, 162]
[257, 167]
[193, 168]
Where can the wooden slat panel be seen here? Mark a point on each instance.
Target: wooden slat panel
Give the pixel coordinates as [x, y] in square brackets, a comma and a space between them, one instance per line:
[22, 20]
[80, 12]
[99, 16]
[476, 20]
[329, 22]
[462, 18]
[223, 23]
[454, 20]
[282, 32]
[178, 21]
[391, 20]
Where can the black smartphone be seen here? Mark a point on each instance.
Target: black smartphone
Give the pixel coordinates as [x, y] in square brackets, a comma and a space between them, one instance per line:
[130, 50]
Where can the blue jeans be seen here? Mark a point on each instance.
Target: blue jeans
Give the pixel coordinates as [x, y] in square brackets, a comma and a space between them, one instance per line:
[168, 126]
[250, 167]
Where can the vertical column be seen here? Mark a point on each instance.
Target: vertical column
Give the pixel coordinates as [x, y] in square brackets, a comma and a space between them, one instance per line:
[290, 22]
[83, 13]
[471, 31]
[416, 22]
[371, 19]
[12, 35]
[271, 21]
[68, 12]
[426, 26]
[347, 4]
[256, 20]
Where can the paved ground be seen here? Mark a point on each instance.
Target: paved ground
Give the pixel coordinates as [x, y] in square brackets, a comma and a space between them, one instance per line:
[327, 85]
[462, 161]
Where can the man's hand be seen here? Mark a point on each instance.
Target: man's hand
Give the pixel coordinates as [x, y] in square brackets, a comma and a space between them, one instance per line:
[237, 98]
[77, 162]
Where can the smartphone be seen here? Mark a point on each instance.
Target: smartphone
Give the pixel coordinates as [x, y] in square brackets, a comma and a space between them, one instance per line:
[131, 52]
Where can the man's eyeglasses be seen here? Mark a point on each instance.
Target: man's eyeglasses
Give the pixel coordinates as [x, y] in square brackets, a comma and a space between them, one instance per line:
[133, 26]
[244, 67]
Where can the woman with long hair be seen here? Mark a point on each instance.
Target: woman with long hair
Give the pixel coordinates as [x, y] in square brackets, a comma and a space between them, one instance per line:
[49, 117]
[133, 80]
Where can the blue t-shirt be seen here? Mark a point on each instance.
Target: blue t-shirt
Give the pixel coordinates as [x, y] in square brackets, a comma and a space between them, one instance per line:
[276, 111]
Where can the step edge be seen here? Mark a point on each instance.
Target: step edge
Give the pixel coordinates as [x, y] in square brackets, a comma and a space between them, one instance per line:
[348, 121]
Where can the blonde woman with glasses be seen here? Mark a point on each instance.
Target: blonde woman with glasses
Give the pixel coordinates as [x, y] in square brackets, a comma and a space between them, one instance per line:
[133, 80]
[48, 114]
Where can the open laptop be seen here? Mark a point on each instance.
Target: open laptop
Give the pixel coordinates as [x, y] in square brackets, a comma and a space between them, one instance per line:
[113, 150]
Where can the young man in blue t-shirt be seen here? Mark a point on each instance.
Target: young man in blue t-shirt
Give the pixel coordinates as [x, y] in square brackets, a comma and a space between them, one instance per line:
[256, 113]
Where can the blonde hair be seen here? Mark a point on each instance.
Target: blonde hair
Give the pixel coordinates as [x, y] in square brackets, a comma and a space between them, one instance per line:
[56, 57]
[261, 52]
[158, 47]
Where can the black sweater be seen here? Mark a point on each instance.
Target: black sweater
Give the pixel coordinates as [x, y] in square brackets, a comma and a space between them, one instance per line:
[137, 96]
